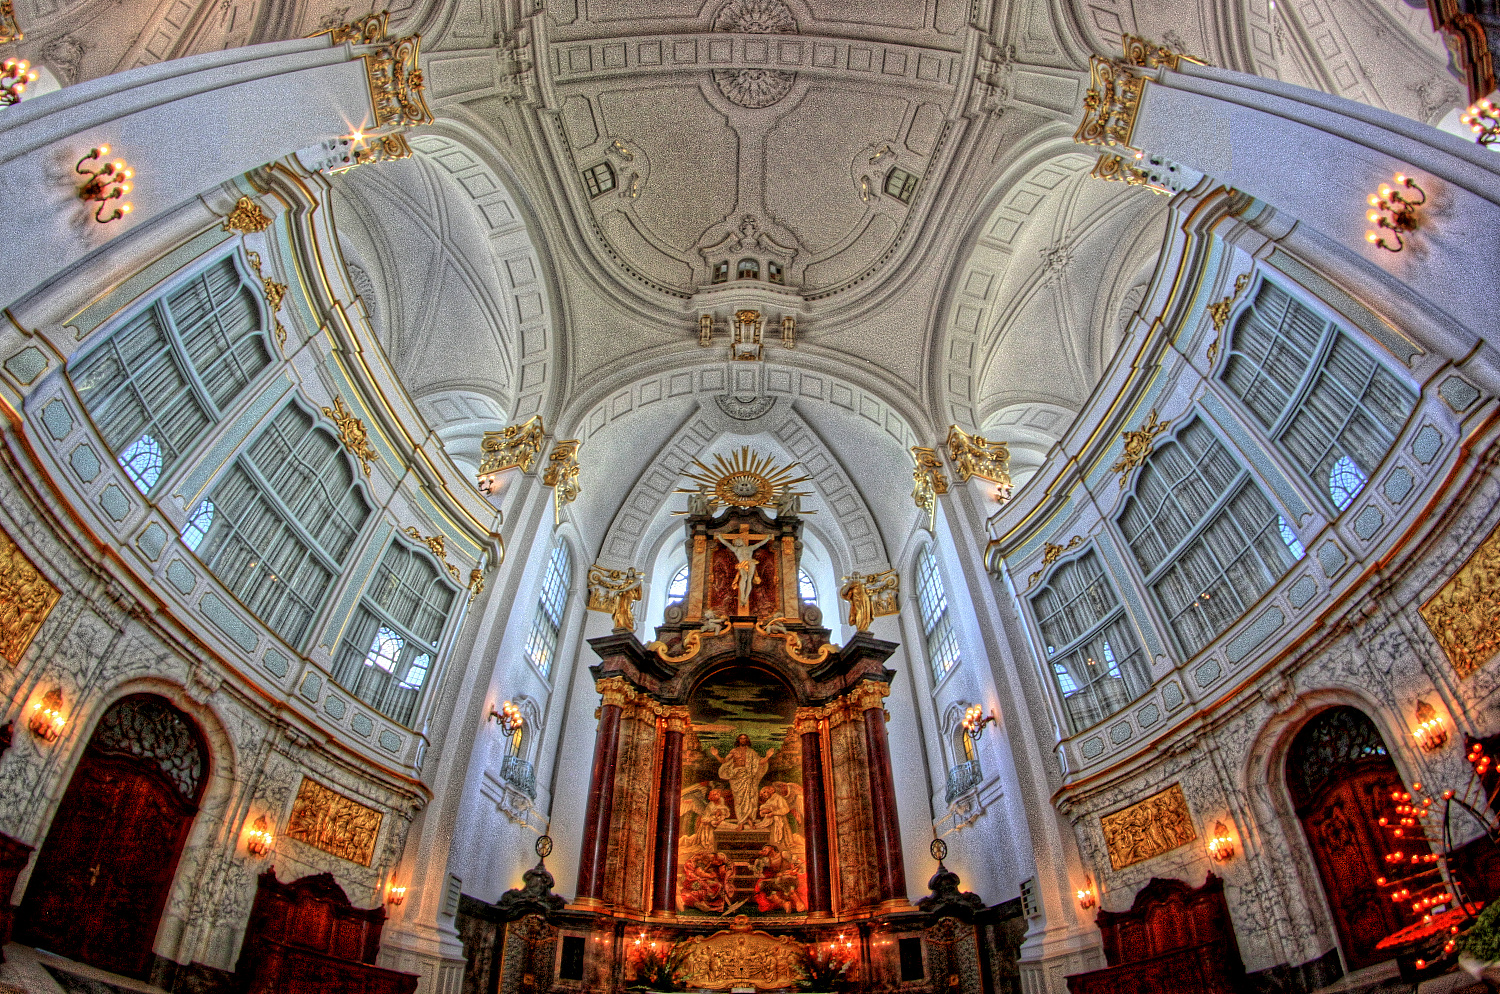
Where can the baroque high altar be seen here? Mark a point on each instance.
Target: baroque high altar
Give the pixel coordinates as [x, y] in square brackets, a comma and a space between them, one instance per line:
[741, 826]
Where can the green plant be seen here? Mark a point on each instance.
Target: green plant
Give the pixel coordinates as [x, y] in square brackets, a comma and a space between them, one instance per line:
[656, 967]
[826, 970]
[1482, 941]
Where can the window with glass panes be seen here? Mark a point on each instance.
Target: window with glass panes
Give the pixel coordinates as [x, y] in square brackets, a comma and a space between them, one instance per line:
[391, 643]
[600, 179]
[1329, 404]
[161, 380]
[1207, 540]
[541, 643]
[284, 517]
[937, 625]
[1094, 658]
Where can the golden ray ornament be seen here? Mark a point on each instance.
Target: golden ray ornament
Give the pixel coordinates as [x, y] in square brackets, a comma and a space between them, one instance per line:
[745, 479]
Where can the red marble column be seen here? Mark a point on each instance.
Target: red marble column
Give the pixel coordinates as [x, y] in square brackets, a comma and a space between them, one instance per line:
[868, 697]
[668, 820]
[594, 853]
[815, 810]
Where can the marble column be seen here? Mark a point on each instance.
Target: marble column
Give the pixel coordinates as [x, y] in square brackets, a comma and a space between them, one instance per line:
[594, 853]
[868, 698]
[668, 820]
[815, 810]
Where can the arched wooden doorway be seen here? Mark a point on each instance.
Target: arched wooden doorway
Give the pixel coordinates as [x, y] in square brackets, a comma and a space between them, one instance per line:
[102, 877]
[1340, 777]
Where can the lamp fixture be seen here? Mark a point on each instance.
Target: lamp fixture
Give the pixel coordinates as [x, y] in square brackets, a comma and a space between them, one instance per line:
[1086, 897]
[1394, 211]
[1221, 846]
[106, 181]
[975, 720]
[47, 719]
[395, 895]
[1429, 733]
[258, 838]
[509, 716]
[14, 75]
[1483, 118]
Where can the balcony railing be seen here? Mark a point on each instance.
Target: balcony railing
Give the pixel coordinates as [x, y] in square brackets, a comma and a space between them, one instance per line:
[519, 774]
[963, 778]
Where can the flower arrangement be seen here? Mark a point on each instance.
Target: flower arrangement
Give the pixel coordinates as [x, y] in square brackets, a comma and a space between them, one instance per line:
[655, 963]
[827, 968]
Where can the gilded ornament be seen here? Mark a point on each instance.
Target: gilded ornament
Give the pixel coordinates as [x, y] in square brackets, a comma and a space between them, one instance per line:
[275, 294]
[745, 479]
[870, 596]
[1118, 170]
[10, 28]
[1464, 615]
[1220, 314]
[246, 218]
[26, 598]
[615, 591]
[1110, 105]
[395, 79]
[476, 583]
[1138, 445]
[379, 148]
[562, 475]
[692, 641]
[352, 433]
[327, 820]
[1050, 554]
[740, 958]
[1150, 55]
[745, 334]
[436, 545]
[516, 447]
[975, 455]
[777, 628]
[367, 30]
[1145, 830]
[928, 481]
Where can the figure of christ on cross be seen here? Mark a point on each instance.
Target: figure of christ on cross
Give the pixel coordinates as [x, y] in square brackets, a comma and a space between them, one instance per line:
[743, 544]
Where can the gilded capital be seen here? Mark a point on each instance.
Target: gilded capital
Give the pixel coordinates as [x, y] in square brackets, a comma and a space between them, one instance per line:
[615, 691]
[868, 695]
[678, 719]
[806, 720]
[1110, 105]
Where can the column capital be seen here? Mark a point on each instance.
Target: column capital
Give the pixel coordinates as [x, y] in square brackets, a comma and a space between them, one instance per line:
[678, 719]
[615, 691]
[868, 695]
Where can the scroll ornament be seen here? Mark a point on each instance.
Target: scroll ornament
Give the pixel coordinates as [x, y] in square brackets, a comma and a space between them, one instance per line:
[976, 456]
[436, 545]
[275, 294]
[614, 592]
[870, 596]
[777, 628]
[1138, 445]
[247, 218]
[515, 447]
[1110, 105]
[1219, 313]
[692, 642]
[396, 87]
[562, 475]
[352, 433]
[929, 481]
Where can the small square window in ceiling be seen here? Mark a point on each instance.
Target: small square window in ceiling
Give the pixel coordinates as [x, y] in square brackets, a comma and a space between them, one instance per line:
[773, 273]
[900, 184]
[721, 271]
[749, 269]
[599, 179]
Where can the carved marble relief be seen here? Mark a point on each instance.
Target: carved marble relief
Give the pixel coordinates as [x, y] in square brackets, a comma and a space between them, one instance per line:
[1464, 614]
[1149, 828]
[334, 823]
[26, 598]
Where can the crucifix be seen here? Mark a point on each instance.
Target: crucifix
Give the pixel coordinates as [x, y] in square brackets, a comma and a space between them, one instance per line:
[740, 543]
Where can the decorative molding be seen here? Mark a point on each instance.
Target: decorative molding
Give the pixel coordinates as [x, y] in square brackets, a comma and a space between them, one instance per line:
[1149, 828]
[1138, 445]
[1110, 105]
[562, 475]
[928, 480]
[515, 447]
[1149, 55]
[1219, 313]
[339, 825]
[975, 455]
[476, 583]
[352, 433]
[395, 79]
[436, 545]
[1050, 554]
[275, 294]
[755, 87]
[1464, 615]
[246, 218]
[739, 959]
[26, 598]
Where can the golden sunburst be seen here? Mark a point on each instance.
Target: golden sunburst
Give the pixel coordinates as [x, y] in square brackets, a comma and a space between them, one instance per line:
[745, 479]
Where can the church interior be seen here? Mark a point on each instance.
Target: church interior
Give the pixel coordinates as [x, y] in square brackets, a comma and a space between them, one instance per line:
[903, 496]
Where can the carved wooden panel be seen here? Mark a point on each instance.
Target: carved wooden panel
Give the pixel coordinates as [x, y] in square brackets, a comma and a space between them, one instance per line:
[1149, 828]
[739, 959]
[334, 823]
[26, 598]
[1464, 614]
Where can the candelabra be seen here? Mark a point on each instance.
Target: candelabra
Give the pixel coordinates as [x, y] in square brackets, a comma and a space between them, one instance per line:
[975, 720]
[1483, 118]
[1086, 898]
[1394, 211]
[14, 75]
[395, 896]
[1429, 733]
[1221, 846]
[510, 717]
[47, 719]
[258, 838]
[106, 181]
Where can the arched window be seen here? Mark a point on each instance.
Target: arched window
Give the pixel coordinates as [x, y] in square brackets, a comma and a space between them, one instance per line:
[198, 524]
[678, 588]
[285, 515]
[1205, 537]
[937, 625]
[748, 269]
[1093, 655]
[541, 643]
[806, 589]
[1322, 398]
[161, 380]
[390, 645]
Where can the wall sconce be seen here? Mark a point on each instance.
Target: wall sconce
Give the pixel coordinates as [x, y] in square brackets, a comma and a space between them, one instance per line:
[1483, 119]
[975, 720]
[46, 716]
[258, 838]
[1394, 211]
[1086, 897]
[1429, 733]
[106, 181]
[14, 75]
[395, 895]
[509, 716]
[1221, 846]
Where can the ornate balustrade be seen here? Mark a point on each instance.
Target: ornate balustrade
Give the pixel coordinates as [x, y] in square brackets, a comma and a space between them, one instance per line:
[963, 778]
[520, 774]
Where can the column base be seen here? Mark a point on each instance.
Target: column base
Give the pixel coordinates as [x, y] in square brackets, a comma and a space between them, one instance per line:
[435, 955]
[1050, 975]
[895, 906]
[587, 904]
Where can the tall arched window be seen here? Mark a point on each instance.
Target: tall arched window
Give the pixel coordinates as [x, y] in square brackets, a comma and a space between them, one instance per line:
[541, 643]
[389, 647]
[1320, 396]
[1207, 540]
[1091, 652]
[160, 381]
[285, 515]
[937, 625]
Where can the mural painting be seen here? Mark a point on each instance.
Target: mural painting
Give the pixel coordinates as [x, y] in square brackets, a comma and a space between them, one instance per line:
[742, 848]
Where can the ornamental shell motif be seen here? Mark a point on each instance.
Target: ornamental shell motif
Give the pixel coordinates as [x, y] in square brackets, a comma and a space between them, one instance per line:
[753, 87]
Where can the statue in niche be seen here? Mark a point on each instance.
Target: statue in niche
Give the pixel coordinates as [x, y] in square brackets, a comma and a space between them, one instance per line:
[744, 544]
[743, 768]
[861, 612]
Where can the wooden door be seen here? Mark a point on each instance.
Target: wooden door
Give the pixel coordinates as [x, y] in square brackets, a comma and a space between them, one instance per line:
[1341, 779]
[105, 870]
